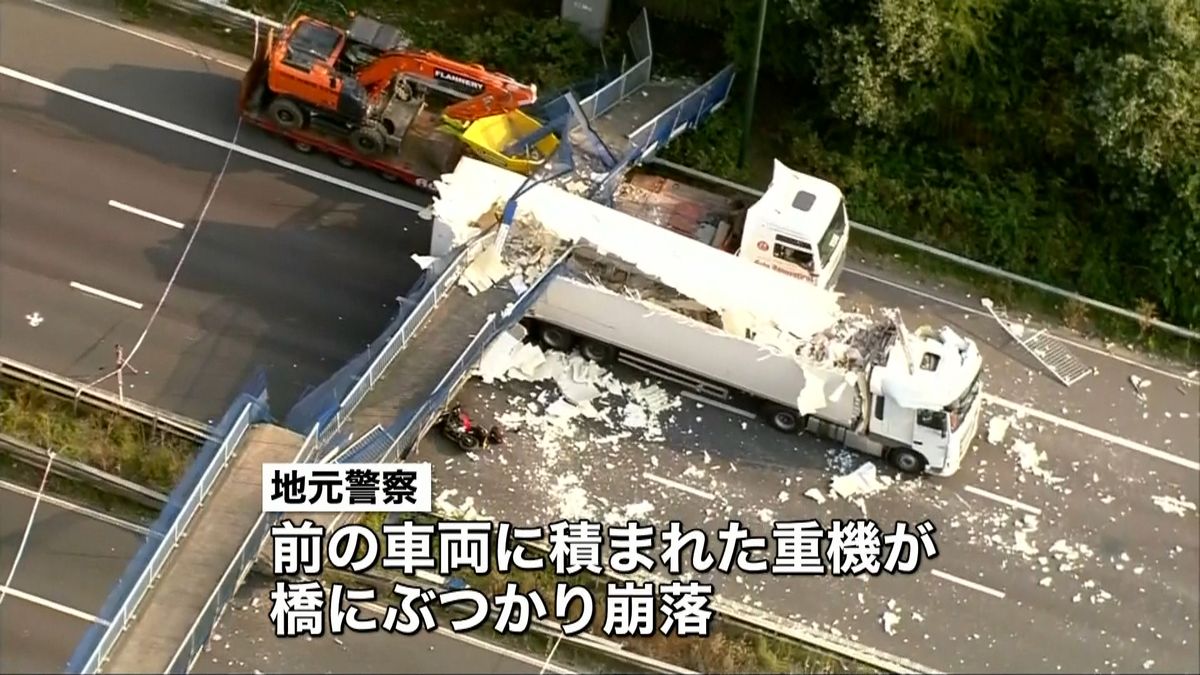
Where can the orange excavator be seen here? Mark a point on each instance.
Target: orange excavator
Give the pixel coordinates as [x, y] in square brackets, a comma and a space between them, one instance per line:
[349, 80]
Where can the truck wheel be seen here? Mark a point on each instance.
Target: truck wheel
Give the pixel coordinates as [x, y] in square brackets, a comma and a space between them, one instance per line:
[303, 147]
[556, 338]
[784, 419]
[906, 460]
[368, 141]
[594, 350]
[286, 114]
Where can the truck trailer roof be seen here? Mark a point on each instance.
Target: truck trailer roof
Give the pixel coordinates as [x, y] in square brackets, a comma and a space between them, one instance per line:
[745, 294]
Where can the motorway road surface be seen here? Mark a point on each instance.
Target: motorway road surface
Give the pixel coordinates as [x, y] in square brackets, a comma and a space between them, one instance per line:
[71, 560]
[244, 642]
[286, 272]
[1096, 612]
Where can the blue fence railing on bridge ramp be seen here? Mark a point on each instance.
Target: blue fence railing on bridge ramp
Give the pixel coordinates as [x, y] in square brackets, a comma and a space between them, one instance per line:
[411, 425]
[248, 407]
[320, 403]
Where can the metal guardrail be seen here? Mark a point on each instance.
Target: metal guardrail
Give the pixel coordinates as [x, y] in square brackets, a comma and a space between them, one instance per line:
[197, 636]
[957, 259]
[65, 467]
[69, 389]
[684, 115]
[628, 82]
[419, 421]
[407, 329]
[99, 640]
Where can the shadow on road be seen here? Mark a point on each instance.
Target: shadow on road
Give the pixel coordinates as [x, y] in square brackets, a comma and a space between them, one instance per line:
[298, 296]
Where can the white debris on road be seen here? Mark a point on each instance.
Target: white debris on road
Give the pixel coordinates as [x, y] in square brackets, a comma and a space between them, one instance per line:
[890, 618]
[1176, 505]
[997, 427]
[815, 495]
[1030, 460]
[861, 482]
[1140, 385]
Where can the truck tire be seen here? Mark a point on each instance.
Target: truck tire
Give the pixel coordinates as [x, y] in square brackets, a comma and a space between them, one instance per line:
[368, 141]
[906, 461]
[597, 351]
[556, 338]
[784, 419]
[286, 114]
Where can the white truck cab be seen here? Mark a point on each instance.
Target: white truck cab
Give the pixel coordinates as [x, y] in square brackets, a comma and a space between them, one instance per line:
[798, 227]
[925, 399]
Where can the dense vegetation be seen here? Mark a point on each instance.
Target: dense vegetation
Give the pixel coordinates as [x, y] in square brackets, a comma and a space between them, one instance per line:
[1055, 138]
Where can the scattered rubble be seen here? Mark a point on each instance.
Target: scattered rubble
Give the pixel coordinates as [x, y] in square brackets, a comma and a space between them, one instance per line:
[1139, 386]
[997, 428]
[1176, 505]
[863, 481]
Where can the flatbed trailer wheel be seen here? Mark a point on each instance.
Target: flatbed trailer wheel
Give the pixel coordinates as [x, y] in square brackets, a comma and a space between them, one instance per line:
[369, 141]
[345, 161]
[303, 147]
[286, 114]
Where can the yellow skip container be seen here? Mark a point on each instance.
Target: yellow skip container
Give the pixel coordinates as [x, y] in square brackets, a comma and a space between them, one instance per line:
[488, 137]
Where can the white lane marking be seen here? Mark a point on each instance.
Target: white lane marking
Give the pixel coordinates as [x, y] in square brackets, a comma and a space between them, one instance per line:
[76, 508]
[1094, 433]
[146, 214]
[718, 404]
[139, 34]
[1003, 500]
[979, 312]
[205, 138]
[679, 486]
[91, 290]
[50, 604]
[969, 584]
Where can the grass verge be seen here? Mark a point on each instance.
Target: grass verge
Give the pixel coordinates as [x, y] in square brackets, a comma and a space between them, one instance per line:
[100, 439]
[729, 647]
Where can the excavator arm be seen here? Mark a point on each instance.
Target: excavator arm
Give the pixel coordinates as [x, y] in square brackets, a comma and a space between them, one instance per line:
[490, 93]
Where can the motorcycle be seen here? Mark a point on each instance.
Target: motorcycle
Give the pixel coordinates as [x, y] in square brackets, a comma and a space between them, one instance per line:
[457, 427]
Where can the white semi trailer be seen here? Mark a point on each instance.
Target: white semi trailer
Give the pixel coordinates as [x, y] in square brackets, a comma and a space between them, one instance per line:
[730, 329]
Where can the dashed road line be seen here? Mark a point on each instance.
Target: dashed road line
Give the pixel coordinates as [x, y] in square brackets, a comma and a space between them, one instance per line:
[968, 584]
[50, 604]
[1002, 499]
[679, 486]
[120, 206]
[92, 290]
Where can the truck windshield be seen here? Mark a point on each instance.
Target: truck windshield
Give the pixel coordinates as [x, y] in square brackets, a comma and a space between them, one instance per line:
[833, 235]
[958, 409]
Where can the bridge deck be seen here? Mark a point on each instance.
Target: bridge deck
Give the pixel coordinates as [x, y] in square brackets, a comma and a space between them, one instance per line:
[216, 533]
[411, 378]
[643, 105]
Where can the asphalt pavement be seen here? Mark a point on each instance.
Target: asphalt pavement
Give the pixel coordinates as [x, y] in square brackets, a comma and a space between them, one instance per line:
[71, 560]
[286, 272]
[1103, 578]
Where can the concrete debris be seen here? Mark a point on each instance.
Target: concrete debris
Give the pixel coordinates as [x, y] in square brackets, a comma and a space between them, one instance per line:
[1139, 386]
[424, 261]
[997, 427]
[1176, 505]
[862, 481]
[1030, 460]
[815, 495]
